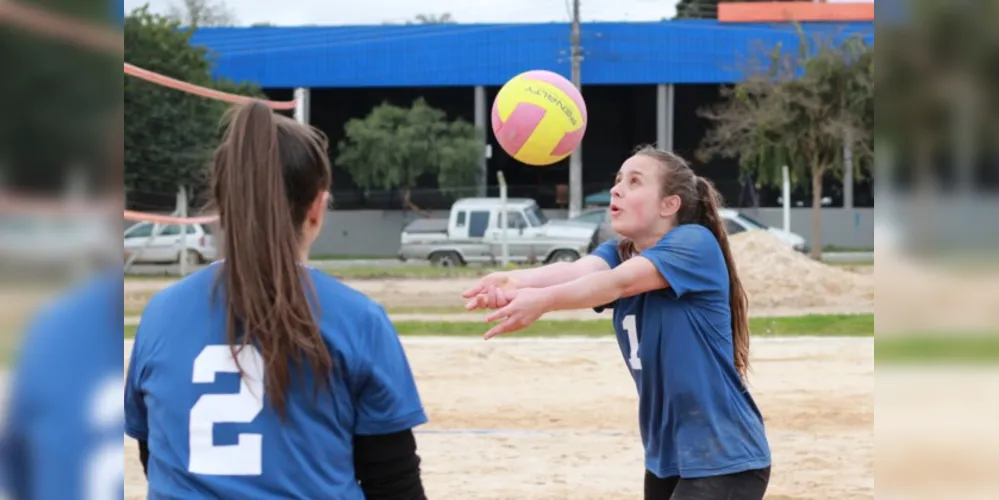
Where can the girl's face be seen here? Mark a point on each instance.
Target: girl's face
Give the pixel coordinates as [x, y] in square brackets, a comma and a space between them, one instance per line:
[638, 209]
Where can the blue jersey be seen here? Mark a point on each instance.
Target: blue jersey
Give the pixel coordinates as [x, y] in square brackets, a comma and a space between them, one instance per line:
[696, 417]
[59, 439]
[213, 434]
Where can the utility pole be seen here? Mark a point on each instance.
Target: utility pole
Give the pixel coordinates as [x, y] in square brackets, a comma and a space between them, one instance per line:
[576, 158]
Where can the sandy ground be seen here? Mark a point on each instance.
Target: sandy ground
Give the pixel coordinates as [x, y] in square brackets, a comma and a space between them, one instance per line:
[561, 416]
[936, 432]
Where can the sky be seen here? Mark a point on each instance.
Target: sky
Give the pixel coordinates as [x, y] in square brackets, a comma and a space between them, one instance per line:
[339, 12]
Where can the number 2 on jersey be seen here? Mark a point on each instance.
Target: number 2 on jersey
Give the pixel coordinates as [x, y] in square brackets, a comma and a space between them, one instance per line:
[631, 327]
[245, 458]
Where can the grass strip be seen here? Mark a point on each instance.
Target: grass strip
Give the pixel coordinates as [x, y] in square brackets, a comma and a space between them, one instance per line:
[936, 348]
[839, 325]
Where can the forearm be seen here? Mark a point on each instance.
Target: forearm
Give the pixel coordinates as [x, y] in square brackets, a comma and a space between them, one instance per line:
[589, 291]
[387, 466]
[144, 456]
[544, 276]
[556, 273]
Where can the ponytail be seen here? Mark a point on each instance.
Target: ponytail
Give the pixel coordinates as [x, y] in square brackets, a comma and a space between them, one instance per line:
[266, 304]
[709, 201]
[626, 249]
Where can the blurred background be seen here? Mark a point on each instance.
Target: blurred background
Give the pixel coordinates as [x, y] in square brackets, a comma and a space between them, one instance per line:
[773, 101]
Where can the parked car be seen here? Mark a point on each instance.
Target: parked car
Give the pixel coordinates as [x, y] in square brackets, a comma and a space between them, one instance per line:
[735, 223]
[166, 246]
[473, 233]
[599, 217]
[33, 242]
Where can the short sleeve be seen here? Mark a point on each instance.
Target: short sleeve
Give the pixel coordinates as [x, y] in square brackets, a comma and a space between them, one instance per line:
[608, 251]
[387, 399]
[136, 424]
[13, 459]
[690, 260]
[13, 462]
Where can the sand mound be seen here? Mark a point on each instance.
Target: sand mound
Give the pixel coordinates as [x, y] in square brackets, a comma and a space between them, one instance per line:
[776, 276]
[920, 295]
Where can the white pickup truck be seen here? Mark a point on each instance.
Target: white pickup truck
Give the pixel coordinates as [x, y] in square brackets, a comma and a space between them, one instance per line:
[473, 234]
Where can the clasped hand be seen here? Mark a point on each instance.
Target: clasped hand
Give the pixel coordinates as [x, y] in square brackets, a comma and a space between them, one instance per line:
[515, 308]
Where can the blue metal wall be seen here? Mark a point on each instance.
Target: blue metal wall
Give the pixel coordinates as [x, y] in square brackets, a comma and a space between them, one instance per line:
[489, 54]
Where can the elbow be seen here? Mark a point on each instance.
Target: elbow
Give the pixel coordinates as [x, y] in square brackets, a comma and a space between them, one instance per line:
[629, 286]
[621, 288]
[627, 290]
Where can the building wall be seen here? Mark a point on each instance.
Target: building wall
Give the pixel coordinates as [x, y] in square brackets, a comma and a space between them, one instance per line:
[622, 53]
[376, 232]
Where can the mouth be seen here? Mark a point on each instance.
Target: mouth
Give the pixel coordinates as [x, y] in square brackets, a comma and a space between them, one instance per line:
[614, 210]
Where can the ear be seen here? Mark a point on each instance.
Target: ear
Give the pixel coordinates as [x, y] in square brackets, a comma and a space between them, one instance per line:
[314, 217]
[669, 206]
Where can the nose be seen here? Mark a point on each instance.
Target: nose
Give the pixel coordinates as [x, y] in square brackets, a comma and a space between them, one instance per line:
[616, 190]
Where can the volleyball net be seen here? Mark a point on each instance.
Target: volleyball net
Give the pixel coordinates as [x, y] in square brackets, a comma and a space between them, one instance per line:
[181, 86]
[64, 28]
[102, 39]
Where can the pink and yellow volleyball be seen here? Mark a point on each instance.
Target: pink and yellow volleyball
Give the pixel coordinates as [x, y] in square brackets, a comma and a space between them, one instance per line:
[539, 117]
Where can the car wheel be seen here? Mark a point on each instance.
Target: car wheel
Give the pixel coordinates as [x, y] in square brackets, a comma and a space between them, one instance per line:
[446, 259]
[190, 258]
[563, 256]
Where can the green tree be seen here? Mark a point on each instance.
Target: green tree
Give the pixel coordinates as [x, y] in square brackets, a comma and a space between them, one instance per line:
[200, 13]
[58, 99]
[393, 147]
[799, 111]
[169, 134]
[444, 18]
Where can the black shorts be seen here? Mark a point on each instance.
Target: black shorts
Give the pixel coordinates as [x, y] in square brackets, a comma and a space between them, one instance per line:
[748, 485]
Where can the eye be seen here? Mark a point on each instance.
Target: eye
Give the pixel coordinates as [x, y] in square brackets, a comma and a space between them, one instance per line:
[634, 181]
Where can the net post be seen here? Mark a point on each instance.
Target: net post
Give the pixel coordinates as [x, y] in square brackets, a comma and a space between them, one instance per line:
[302, 105]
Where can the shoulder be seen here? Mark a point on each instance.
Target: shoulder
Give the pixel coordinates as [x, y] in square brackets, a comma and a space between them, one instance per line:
[78, 322]
[172, 307]
[691, 260]
[353, 325]
[91, 306]
[691, 242]
[194, 289]
[335, 295]
[608, 251]
[690, 236]
[345, 310]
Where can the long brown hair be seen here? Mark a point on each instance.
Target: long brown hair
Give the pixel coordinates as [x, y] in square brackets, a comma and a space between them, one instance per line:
[699, 204]
[266, 174]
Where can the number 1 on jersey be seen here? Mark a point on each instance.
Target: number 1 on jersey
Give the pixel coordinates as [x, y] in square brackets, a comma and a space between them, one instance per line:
[631, 327]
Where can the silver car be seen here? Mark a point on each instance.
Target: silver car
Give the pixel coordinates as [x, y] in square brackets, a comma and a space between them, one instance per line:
[735, 223]
[600, 218]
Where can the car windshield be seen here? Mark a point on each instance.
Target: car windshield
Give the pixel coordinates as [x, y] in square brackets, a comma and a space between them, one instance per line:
[595, 217]
[535, 216]
[755, 224]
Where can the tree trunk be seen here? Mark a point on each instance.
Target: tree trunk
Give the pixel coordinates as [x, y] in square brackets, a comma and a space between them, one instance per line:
[922, 209]
[407, 204]
[817, 173]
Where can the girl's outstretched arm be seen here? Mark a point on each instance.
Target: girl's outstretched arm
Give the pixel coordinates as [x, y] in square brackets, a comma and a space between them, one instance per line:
[635, 276]
[539, 277]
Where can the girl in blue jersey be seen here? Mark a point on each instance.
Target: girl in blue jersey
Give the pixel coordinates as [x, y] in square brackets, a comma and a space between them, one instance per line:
[681, 318]
[258, 377]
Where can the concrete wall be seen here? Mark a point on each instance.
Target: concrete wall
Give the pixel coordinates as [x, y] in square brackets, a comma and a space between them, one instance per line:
[376, 232]
[841, 227]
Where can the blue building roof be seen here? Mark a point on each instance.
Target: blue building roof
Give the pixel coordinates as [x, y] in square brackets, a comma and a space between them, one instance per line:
[694, 51]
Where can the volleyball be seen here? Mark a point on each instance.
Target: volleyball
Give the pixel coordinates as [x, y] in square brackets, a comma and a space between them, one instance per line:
[539, 117]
